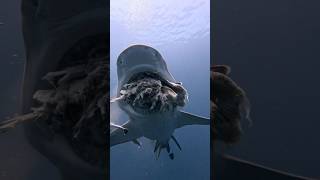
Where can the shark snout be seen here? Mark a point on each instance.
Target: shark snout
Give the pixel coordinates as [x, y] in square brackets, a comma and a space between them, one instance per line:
[140, 58]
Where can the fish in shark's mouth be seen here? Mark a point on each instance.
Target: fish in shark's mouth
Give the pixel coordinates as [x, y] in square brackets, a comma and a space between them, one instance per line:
[148, 92]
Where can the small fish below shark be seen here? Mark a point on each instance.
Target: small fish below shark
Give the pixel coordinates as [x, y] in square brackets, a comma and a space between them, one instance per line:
[151, 98]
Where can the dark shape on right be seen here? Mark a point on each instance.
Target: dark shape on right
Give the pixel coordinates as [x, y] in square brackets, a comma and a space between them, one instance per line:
[229, 107]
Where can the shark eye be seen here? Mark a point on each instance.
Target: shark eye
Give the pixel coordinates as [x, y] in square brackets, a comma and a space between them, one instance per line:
[121, 62]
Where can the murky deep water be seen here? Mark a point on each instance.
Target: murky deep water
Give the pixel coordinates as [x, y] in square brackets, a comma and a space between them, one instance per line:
[179, 30]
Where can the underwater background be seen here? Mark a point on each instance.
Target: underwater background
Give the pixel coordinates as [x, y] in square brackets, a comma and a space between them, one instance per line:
[180, 31]
[273, 49]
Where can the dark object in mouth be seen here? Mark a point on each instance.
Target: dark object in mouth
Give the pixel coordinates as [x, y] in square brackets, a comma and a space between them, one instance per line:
[75, 106]
[148, 92]
[229, 106]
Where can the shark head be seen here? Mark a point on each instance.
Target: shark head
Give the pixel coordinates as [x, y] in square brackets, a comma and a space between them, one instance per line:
[143, 73]
[140, 58]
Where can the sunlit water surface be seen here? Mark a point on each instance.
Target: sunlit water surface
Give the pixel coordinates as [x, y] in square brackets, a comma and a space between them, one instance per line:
[179, 30]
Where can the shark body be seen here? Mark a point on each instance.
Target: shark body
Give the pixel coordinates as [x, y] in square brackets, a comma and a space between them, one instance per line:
[157, 126]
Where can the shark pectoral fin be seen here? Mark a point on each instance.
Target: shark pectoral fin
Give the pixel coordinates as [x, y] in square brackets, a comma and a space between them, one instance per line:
[185, 118]
[118, 137]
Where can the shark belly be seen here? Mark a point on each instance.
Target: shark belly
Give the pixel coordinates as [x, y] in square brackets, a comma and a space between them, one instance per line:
[158, 127]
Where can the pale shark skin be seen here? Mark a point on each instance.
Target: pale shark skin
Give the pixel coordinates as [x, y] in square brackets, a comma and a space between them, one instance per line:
[50, 29]
[158, 126]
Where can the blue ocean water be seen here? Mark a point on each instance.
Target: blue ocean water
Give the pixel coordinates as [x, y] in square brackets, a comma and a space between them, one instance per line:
[179, 30]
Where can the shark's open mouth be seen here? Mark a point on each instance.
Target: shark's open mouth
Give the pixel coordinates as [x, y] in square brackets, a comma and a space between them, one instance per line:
[148, 92]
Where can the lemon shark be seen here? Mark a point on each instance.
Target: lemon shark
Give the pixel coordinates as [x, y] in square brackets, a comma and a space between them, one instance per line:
[158, 126]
